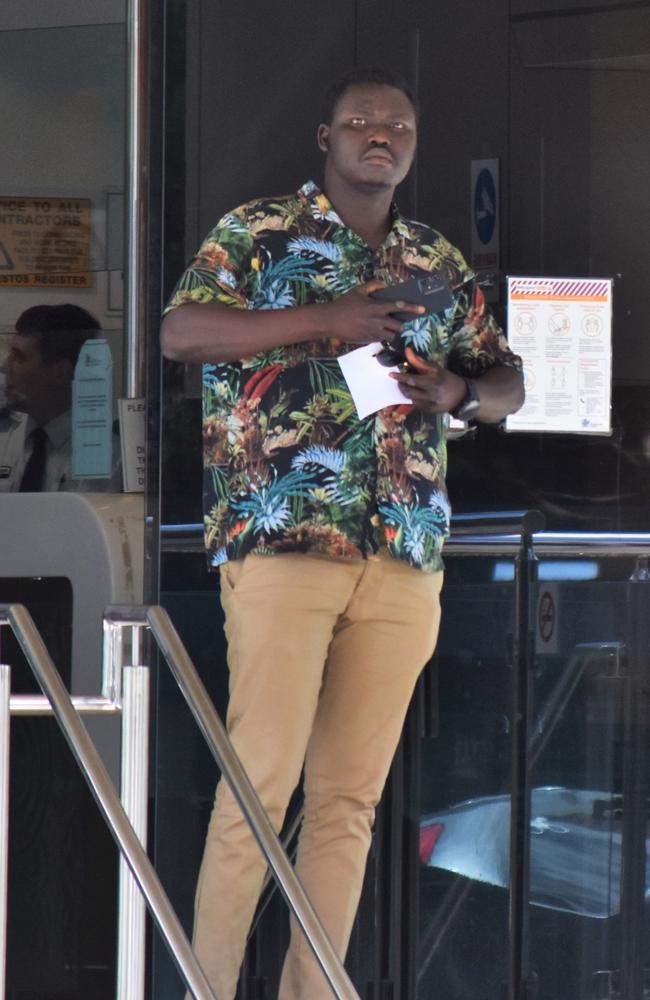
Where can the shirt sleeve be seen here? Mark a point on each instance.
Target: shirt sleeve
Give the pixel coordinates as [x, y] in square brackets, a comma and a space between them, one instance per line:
[477, 341]
[220, 270]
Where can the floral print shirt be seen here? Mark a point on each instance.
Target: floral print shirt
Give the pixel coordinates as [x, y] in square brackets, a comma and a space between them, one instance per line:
[289, 466]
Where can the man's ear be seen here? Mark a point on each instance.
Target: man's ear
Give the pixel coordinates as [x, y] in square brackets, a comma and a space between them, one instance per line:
[322, 137]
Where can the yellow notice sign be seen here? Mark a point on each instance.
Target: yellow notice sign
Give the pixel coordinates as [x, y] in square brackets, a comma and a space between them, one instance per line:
[45, 242]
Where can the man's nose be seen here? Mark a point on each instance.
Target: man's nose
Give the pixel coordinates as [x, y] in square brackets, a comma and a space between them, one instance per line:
[378, 135]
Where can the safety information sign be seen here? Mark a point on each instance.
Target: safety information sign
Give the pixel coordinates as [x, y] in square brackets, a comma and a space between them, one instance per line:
[45, 242]
[562, 330]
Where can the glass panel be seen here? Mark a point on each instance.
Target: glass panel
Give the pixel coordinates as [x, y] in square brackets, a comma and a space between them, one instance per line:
[61, 246]
[589, 796]
[566, 106]
[578, 204]
[588, 777]
[464, 804]
[62, 120]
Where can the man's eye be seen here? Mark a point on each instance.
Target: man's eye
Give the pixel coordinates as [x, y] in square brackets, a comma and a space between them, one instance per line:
[398, 126]
[357, 120]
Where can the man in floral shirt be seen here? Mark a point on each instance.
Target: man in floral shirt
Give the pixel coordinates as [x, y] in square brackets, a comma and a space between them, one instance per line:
[328, 528]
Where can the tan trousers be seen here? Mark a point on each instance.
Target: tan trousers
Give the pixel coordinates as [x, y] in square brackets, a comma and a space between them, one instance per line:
[323, 657]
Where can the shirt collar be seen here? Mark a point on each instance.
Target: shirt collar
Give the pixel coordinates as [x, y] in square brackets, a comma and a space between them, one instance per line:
[322, 209]
[58, 429]
[7, 415]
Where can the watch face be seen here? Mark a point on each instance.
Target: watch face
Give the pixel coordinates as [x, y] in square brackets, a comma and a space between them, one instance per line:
[468, 409]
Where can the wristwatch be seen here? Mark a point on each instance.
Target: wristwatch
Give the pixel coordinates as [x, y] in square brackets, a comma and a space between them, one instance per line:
[469, 404]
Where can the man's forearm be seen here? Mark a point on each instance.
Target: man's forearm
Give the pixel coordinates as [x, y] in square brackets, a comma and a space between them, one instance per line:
[210, 331]
[501, 391]
[195, 332]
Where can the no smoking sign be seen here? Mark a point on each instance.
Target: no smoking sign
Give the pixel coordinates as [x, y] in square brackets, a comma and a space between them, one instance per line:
[546, 619]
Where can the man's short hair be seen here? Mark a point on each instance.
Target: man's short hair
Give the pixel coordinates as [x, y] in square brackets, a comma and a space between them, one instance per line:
[359, 76]
[59, 331]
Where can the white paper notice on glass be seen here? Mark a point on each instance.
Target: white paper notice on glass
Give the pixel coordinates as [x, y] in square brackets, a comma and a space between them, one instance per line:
[132, 438]
[92, 412]
[562, 330]
[370, 384]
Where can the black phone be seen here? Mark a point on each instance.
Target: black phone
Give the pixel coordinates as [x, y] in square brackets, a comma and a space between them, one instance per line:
[430, 290]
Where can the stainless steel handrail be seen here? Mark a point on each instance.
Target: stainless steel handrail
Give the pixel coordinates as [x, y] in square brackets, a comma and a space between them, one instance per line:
[125, 694]
[481, 542]
[67, 710]
[37, 704]
[222, 750]
[555, 543]
[99, 781]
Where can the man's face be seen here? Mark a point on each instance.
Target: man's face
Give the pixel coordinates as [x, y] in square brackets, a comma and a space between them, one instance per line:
[28, 377]
[371, 139]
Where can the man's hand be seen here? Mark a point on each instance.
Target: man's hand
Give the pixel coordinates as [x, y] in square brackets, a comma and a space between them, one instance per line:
[434, 389]
[357, 318]
[430, 387]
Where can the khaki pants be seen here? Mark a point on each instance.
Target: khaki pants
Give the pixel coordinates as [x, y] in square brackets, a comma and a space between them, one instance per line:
[323, 657]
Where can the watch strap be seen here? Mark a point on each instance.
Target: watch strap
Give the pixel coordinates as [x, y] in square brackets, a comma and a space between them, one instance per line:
[470, 402]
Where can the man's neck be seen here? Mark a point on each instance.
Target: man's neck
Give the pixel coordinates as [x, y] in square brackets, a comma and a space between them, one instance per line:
[367, 211]
[53, 407]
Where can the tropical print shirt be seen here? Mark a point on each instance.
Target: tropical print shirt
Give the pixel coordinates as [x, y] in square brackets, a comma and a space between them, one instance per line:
[289, 466]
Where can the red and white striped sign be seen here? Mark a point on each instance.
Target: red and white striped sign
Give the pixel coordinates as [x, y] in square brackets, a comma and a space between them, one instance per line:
[576, 289]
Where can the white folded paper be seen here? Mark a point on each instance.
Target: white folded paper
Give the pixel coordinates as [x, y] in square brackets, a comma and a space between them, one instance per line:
[370, 383]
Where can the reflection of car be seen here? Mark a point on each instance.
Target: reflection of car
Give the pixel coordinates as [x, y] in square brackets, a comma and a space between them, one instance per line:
[575, 847]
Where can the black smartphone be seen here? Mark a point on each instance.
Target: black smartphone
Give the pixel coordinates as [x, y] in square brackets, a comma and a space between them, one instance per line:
[430, 290]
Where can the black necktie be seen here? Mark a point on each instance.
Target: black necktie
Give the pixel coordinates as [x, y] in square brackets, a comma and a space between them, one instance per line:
[34, 473]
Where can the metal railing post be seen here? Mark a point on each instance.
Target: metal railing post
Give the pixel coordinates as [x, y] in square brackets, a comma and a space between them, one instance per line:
[522, 668]
[5, 723]
[134, 797]
[112, 660]
[137, 189]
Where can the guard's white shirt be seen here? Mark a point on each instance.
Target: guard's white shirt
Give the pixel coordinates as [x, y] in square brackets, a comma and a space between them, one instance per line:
[15, 449]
